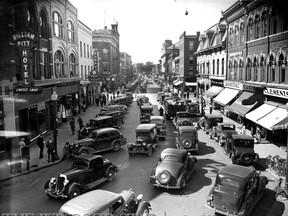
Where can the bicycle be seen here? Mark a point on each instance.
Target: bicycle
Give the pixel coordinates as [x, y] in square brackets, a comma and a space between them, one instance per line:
[280, 190]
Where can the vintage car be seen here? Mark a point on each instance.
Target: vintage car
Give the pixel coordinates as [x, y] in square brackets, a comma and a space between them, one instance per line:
[118, 117]
[173, 170]
[187, 138]
[241, 149]
[183, 118]
[236, 191]
[161, 126]
[114, 107]
[86, 172]
[142, 99]
[97, 141]
[103, 202]
[208, 121]
[223, 132]
[146, 111]
[146, 140]
[95, 123]
[123, 99]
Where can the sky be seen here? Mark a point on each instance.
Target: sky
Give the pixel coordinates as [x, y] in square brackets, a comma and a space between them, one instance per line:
[144, 25]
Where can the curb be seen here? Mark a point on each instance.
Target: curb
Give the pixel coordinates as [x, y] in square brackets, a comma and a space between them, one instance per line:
[33, 170]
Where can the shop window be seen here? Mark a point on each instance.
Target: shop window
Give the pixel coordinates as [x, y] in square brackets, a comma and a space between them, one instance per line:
[57, 25]
[59, 64]
[72, 65]
[43, 25]
[71, 32]
[42, 120]
[222, 66]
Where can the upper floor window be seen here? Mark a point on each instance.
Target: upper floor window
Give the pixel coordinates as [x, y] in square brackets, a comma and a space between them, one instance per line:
[264, 23]
[87, 51]
[72, 65]
[213, 67]
[191, 45]
[242, 33]
[30, 19]
[257, 26]
[80, 48]
[43, 25]
[250, 29]
[71, 33]
[59, 64]
[84, 46]
[218, 66]
[57, 25]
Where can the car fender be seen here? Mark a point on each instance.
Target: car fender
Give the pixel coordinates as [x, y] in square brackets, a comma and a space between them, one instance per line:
[73, 185]
[180, 179]
[85, 148]
[262, 182]
[149, 146]
[142, 205]
[113, 167]
[122, 142]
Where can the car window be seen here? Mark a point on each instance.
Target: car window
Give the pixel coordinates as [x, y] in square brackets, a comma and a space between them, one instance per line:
[184, 115]
[171, 158]
[113, 134]
[228, 182]
[103, 136]
[96, 163]
[142, 134]
[244, 143]
[228, 127]
[77, 163]
[93, 123]
[187, 135]
[116, 206]
[92, 135]
[156, 121]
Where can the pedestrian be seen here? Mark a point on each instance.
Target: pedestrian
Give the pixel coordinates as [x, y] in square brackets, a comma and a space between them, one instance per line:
[40, 143]
[21, 144]
[72, 125]
[80, 122]
[50, 149]
[101, 100]
[211, 109]
[161, 111]
[97, 100]
[104, 99]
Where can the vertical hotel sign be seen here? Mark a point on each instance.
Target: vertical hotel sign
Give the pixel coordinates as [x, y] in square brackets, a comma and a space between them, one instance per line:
[24, 41]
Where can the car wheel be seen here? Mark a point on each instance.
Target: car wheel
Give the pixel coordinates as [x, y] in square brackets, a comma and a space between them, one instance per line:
[149, 153]
[246, 157]
[74, 193]
[185, 123]
[116, 146]
[119, 124]
[110, 175]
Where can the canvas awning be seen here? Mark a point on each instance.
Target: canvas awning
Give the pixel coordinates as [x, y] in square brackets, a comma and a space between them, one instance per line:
[260, 112]
[213, 91]
[273, 118]
[225, 96]
[239, 108]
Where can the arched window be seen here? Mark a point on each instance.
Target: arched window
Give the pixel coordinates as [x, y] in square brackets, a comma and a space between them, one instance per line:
[255, 65]
[264, 23]
[43, 25]
[281, 64]
[57, 25]
[30, 18]
[240, 66]
[248, 68]
[262, 67]
[250, 29]
[213, 69]
[71, 33]
[59, 64]
[272, 63]
[208, 65]
[72, 65]
[257, 26]
[242, 32]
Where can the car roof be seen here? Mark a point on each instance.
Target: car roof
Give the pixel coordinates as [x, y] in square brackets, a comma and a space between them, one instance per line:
[101, 118]
[89, 203]
[187, 128]
[242, 137]
[88, 157]
[106, 129]
[145, 126]
[146, 105]
[237, 172]
[179, 153]
[157, 117]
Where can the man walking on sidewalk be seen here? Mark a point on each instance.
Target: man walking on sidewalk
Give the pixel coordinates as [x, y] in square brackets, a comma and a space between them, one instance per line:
[40, 143]
[80, 122]
[72, 125]
[50, 149]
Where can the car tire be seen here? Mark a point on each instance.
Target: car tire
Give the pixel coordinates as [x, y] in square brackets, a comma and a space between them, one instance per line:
[246, 158]
[83, 152]
[119, 124]
[75, 191]
[116, 146]
[150, 151]
[110, 175]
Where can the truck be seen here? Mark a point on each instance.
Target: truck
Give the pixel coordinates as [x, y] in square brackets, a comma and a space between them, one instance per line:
[172, 106]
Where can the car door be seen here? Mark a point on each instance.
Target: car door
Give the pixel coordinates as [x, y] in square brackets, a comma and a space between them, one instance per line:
[101, 141]
[95, 172]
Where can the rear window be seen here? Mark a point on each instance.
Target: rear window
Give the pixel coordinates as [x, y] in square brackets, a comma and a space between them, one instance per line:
[228, 182]
[156, 121]
[188, 135]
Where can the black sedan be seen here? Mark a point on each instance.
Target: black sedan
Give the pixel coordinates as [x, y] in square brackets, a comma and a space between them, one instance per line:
[174, 168]
[87, 172]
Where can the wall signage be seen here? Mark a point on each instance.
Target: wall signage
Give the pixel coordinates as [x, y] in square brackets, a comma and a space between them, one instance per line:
[233, 85]
[282, 93]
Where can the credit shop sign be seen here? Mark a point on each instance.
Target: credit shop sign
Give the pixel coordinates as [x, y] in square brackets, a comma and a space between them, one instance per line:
[24, 42]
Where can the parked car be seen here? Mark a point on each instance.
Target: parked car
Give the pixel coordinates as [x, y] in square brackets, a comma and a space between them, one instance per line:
[223, 132]
[173, 170]
[97, 141]
[187, 138]
[183, 118]
[161, 126]
[208, 121]
[146, 111]
[86, 172]
[118, 117]
[103, 202]
[241, 149]
[123, 99]
[114, 107]
[95, 123]
[236, 191]
[141, 99]
[146, 140]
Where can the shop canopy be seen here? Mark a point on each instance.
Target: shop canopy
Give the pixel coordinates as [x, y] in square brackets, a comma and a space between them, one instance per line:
[240, 109]
[178, 82]
[282, 125]
[190, 83]
[225, 96]
[273, 118]
[260, 112]
[213, 91]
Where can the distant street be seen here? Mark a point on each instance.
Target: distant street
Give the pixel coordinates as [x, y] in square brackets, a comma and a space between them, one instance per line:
[25, 194]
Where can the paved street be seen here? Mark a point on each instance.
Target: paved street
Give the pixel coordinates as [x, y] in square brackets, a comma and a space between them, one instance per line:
[134, 173]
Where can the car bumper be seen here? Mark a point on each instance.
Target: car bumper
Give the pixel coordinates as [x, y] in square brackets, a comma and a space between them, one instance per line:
[138, 150]
[55, 195]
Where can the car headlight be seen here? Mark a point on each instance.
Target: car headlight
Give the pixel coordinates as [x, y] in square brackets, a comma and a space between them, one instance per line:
[164, 177]
[144, 143]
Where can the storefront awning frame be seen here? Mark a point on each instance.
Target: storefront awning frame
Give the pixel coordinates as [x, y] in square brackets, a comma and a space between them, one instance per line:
[213, 91]
[225, 96]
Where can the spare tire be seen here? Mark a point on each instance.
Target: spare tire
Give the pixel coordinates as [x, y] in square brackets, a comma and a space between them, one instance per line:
[185, 123]
[164, 177]
[246, 157]
[187, 144]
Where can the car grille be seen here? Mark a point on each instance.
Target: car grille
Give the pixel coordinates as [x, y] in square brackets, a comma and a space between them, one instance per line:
[60, 184]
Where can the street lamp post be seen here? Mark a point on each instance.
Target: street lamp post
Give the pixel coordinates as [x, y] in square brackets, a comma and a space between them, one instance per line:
[201, 82]
[54, 98]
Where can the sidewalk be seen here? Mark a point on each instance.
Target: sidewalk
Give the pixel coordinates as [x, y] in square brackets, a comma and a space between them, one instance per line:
[64, 135]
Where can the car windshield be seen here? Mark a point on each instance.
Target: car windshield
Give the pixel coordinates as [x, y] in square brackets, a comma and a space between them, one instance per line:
[227, 182]
[183, 115]
[143, 133]
[244, 143]
[186, 135]
[156, 121]
[171, 158]
[92, 135]
[77, 163]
